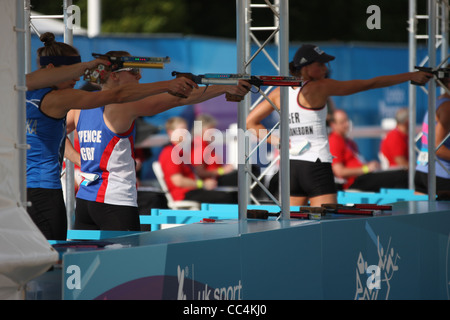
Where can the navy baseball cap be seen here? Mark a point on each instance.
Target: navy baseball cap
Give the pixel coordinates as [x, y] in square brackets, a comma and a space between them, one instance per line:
[309, 53]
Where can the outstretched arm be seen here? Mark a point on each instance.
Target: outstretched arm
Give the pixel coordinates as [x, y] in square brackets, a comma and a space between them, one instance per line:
[316, 93]
[58, 102]
[162, 102]
[332, 87]
[259, 113]
[47, 77]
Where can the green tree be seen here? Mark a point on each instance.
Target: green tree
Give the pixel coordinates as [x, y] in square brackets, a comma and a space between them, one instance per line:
[309, 21]
[138, 16]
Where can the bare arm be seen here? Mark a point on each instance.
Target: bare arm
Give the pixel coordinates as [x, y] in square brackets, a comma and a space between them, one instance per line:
[69, 151]
[341, 88]
[58, 102]
[203, 173]
[184, 182]
[72, 154]
[47, 77]
[162, 102]
[72, 120]
[316, 93]
[259, 113]
[401, 161]
[339, 170]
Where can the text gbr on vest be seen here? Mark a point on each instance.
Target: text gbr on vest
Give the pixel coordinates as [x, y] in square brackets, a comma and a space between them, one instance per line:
[86, 136]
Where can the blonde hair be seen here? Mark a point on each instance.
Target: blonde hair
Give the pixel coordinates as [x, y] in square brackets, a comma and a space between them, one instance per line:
[171, 123]
[207, 120]
[401, 116]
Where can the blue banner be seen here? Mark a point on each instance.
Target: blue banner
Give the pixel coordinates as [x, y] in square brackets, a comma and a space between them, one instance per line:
[400, 254]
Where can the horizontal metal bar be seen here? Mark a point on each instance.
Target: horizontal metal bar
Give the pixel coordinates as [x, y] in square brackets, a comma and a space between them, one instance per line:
[263, 28]
[59, 16]
[259, 5]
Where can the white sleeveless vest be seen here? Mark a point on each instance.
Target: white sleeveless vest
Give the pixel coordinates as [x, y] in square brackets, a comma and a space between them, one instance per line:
[307, 127]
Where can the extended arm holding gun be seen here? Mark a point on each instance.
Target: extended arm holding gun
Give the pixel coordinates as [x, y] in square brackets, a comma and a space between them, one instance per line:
[233, 79]
[439, 73]
[97, 74]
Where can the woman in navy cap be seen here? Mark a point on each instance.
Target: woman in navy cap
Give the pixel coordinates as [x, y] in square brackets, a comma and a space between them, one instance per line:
[310, 158]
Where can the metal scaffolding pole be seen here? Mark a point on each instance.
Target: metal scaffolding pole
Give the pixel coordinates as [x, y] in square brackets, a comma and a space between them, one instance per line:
[243, 52]
[280, 34]
[70, 167]
[21, 101]
[431, 101]
[412, 92]
[284, 115]
[437, 28]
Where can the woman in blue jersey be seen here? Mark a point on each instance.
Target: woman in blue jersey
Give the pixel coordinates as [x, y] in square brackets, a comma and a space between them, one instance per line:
[107, 195]
[312, 177]
[46, 129]
[442, 165]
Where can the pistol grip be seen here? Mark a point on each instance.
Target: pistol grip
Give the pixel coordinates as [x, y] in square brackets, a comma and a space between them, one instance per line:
[190, 76]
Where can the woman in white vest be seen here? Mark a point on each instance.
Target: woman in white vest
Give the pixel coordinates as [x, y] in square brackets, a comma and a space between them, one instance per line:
[311, 174]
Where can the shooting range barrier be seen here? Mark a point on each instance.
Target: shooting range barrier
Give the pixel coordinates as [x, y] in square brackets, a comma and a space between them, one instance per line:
[407, 248]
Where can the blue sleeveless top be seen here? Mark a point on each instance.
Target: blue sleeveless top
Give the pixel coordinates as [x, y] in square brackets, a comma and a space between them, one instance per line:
[46, 137]
[107, 161]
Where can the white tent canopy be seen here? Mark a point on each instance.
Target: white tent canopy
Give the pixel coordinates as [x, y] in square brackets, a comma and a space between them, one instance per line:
[24, 251]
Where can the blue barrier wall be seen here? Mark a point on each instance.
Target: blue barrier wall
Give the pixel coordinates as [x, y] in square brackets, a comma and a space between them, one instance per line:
[211, 55]
[329, 259]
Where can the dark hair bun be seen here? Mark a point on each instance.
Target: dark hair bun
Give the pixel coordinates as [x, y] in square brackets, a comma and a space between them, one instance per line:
[47, 38]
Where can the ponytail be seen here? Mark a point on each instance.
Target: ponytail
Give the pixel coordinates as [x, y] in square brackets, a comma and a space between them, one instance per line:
[57, 53]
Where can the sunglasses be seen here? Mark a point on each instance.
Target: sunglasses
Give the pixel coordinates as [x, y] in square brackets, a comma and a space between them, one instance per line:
[133, 71]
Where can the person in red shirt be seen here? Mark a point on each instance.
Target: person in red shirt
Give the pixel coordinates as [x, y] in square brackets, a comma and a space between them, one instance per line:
[206, 161]
[350, 169]
[394, 147]
[178, 171]
[347, 163]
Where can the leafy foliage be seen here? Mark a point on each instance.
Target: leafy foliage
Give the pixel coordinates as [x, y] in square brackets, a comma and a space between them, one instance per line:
[321, 20]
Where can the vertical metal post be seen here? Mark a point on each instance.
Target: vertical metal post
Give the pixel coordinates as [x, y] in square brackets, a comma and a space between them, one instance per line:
[444, 32]
[280, 9]
[27, 40]
[21, 100]
[70, 169]
[431, 101]
[243, 106]
[68, 32]
[284, 107]
[94, 18]
[412, 43]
